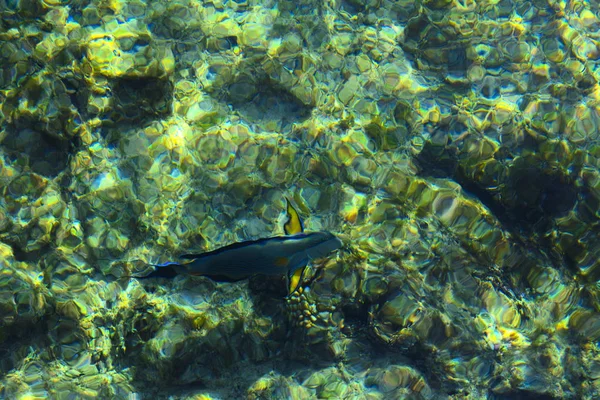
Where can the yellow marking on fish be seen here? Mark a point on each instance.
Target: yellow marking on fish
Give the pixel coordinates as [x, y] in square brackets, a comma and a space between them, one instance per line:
[294, 223]
[295, 280]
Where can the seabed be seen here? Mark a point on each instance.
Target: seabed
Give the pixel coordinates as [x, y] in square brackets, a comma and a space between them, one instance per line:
[452, 145]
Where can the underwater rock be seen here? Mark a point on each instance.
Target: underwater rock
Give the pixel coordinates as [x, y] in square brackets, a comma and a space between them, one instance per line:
[398, 381]
[111, 52]
[275, 385]
[24, 298]
[44, 102]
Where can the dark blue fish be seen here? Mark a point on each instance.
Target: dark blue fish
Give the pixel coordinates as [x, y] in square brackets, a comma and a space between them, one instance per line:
[281, 255]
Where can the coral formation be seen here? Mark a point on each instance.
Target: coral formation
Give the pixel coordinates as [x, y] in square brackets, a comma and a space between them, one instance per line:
[452, 147]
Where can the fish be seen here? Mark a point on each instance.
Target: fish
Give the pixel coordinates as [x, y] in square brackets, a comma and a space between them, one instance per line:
[280, 255]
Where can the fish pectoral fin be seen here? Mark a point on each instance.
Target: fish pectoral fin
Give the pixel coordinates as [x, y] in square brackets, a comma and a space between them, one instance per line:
[295, 278]
[294, 223]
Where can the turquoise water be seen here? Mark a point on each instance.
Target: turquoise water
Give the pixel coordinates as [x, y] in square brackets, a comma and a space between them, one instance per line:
[451, 146]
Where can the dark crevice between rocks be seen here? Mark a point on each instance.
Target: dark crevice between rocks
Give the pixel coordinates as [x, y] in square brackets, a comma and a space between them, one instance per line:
[356, 318]
[28, 256]
[140, 99]
[523, 395]
[532, 196]
[262, 101]
[458, 63]
[45, 154]
[44, 134]
[539, 196]
[231, 382]
[32, 333]
[137, 103]
[18, 13]
[353, 6]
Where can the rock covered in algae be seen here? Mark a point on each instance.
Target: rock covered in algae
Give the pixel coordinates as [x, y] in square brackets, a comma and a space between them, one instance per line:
[119, 50]
[24, 298]
[208, 337]
[38, 376]
[277, 386]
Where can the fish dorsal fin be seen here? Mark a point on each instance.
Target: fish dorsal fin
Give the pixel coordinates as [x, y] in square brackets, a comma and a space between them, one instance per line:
[294, 223]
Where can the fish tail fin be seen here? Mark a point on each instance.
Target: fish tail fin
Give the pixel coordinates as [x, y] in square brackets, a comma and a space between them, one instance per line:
[167, 270]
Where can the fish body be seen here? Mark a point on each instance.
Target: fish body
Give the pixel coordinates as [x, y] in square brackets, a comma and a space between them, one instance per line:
[270, 256]
[280, 255]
